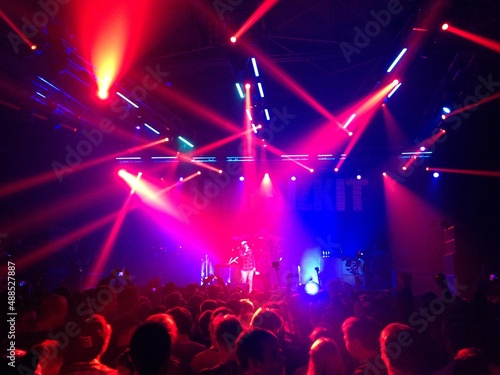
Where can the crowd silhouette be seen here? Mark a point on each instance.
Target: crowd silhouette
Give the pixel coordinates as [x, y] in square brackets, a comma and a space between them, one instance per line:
[122, 328]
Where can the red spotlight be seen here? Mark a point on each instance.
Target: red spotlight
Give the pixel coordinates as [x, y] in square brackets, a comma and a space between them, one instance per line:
[103, 93]
[199, 172]
[233, 39]
[336, 169]
[404, 168]
[445, 26]
[350, 134]
[395, 82]
[384, 174]
[220, 171]
[247, 86]
[475, 38]
[33, 47]
[122, 173]
[311, 170]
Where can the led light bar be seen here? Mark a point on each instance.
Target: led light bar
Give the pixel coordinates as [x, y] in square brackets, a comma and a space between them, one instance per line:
[416, 154]
[164, 159]
[240, 91]
[261, 90]
[266, 112]
[394, 90]
[129, 159]
[239, 158]
[394, 63]
[127, 99]
[326, 157]
[204, 159]
[48, 83]
[255, 69]
[295, 157]
[350, 120]
[151, 128]
[185, 141]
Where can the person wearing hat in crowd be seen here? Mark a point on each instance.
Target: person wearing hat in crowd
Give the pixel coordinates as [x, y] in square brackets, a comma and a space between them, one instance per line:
[84, 350]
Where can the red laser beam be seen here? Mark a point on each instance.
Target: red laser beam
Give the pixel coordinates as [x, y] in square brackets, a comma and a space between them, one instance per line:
[257, 15]
[30, 182]
[364, 113]
[41, 253]
[105, 252]
[473, 105]
[478, 39]
[16, 30]
[428, 144]
[47, 212]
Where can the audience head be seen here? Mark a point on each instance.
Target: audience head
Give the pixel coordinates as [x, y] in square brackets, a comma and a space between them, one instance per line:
[182, 318]
[234, 305]
[149, 349]
[90, 343]
[361, 336]
[174, 299]
[53, 310]
[325, 359]
[267, 319]
[208, 304]
[258, 352]
[204, 324]
[227, 328]
[321, 330]
[247, 306]
[403, 350]
[168, 322]
[470, 361]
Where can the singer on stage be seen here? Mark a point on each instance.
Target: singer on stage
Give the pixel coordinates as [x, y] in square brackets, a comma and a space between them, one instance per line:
[248, 269]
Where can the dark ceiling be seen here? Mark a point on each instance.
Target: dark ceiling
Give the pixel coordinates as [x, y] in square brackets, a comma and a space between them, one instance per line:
[306, 39]
[314, 42]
